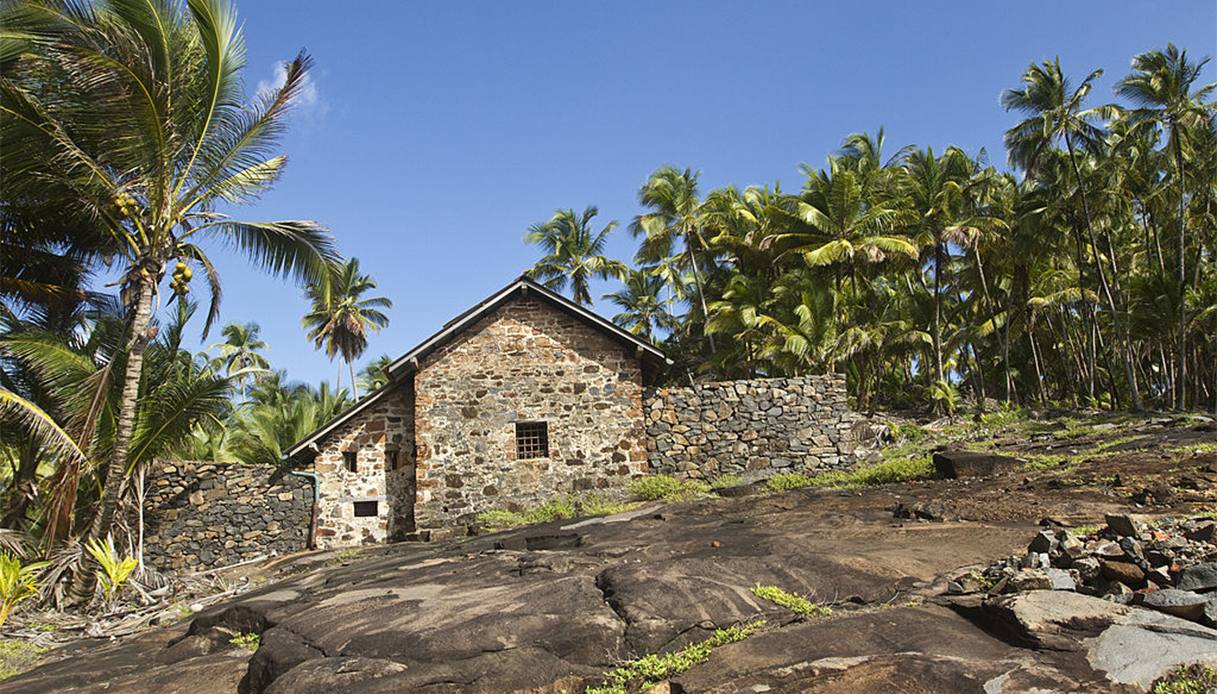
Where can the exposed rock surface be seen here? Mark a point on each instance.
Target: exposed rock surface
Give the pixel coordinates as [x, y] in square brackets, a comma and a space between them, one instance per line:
[500, 613]
[952, 464]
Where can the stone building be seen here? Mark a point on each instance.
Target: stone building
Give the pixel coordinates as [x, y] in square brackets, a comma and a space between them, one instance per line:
[525, 396]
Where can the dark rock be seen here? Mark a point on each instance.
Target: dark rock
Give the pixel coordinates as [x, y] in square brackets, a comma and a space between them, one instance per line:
[553, 541]
[1044, 541]
[1199, 577]
[1123, 572]
[914, 512]
[1181, 603]
[953, 464]
[1204, 533]
[327, 675]
[279, 651]
[1123, 525]
[191, 646]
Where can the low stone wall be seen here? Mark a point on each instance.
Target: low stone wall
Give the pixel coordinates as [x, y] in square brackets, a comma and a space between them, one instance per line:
[201, 515]
[762, 425]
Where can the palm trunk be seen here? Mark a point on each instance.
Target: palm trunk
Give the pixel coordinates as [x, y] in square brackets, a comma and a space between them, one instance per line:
[938, 372]
[701, 292]
[354, 383]
[1181, 377]
[1117, 323]
[116, 471]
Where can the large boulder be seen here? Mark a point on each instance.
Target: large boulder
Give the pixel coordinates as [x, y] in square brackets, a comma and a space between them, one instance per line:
[953, 464]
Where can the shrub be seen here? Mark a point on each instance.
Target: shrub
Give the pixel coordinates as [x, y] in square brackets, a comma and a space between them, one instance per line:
[249, 642]
[667, 488]
[115, 570]
[500, 519]
[603, 506]
[726, 481]
[1188, 679]
[785, 481]
[17, 583]
[795, 603]
[655, 667]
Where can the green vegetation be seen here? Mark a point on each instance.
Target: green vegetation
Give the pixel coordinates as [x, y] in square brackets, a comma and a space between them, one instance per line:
[17, 583]
[503, 519]
[1084, 530]
[562, 507]
[897, 469]
[605, 506]
[1188, 679]
[249, 642]
[18, 656]
[638, 675]
[667, 488]
[795, 603]
[115, 569]
[726, 481]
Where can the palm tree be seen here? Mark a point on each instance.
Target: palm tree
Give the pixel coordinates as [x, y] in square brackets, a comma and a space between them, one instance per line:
[241, 351]
[1161, 87]
[574, 253]
[674, 220]
[1054, 112]
[340, 317]
[132, 116]
[842, 224]
[642, 309]
[939, 190]
[376, 374]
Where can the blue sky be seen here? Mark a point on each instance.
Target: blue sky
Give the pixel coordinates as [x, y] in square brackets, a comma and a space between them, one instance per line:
[434, 133]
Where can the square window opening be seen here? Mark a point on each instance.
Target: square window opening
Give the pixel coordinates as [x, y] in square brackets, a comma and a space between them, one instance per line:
[367, 509]
[350, 459]
[532, 440]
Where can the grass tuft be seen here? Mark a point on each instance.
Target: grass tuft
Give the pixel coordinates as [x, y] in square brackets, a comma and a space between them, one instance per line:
[18, 656]
[249, 642]
[667, 488]
[795, 603]
[656, 667]
[1188, 679]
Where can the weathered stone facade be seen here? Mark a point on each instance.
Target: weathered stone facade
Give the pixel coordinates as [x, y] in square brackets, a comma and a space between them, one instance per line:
[200, 515]
[376, 484]
[526, 361]
[733, 427]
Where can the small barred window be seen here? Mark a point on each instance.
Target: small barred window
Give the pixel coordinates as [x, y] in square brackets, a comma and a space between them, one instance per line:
[365, 509]
[350, 459]
[532, 440]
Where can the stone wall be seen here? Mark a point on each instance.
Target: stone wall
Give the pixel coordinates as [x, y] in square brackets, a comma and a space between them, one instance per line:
[763, 425]
[201, 515]
[526, 361]
[373, 435]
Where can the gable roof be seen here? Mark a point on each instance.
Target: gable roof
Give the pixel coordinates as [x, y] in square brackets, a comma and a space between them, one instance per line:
[409, 362]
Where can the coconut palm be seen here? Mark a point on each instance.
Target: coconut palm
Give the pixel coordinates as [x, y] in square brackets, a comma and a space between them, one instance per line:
[1054, 113]
[241, 352]
[132, 116]
[574, 253]
[1161, 88]
[376, 374]
[642, 309]
[340, 317]
[672, 226]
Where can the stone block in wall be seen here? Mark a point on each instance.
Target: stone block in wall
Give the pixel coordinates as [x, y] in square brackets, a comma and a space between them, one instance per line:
[709, 429]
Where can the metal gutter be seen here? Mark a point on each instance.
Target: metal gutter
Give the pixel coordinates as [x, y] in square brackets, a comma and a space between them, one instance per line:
[312, 525]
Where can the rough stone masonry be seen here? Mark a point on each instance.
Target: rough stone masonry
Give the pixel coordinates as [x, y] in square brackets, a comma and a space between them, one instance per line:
[734, 427]
[203, 515]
